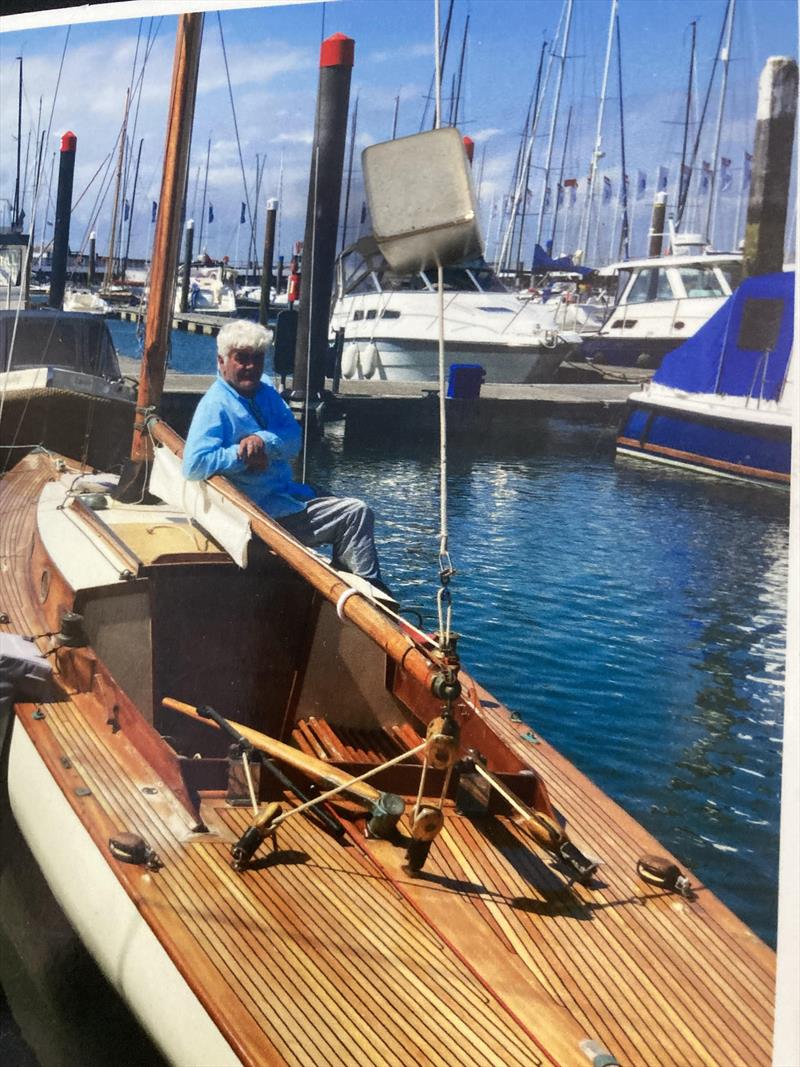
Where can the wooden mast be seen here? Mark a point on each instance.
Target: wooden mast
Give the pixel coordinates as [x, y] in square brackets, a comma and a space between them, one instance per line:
[168, 224]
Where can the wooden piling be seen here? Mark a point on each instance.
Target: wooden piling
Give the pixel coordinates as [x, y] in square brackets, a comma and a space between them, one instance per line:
[266, 273]
[66, 171]
[772, 162]
[657, 222]
[188, 252]
[322, 215]
[91, 268]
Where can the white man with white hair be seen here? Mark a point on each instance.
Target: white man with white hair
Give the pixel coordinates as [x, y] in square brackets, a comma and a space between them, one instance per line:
[243, 429]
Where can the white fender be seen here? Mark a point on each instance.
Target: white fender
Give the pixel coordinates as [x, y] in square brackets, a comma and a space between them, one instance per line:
[369, 360]
[350, 360]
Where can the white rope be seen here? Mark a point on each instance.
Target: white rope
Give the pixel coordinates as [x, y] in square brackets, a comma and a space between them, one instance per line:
[347, 785]
[250, 786]
[340, 603]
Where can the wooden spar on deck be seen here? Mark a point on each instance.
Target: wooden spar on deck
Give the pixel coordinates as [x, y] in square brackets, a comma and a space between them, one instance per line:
[168, 224]
[315, 768]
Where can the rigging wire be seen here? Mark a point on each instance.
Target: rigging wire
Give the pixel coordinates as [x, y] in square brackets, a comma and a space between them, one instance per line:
[235, 123]
[306, 397]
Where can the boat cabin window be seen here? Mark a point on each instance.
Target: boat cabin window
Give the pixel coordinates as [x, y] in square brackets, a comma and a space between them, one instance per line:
[651, 284]
[395, 283]
[486, 280]
[700, 281]
[456, 280]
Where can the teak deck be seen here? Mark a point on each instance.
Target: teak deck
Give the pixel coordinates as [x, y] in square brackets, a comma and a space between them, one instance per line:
[330, 953]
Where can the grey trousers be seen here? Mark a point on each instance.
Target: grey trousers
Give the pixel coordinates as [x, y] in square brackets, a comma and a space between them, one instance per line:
[343, 522]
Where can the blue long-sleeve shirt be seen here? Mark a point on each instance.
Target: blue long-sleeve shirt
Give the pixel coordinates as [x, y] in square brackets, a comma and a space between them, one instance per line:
[222, 418]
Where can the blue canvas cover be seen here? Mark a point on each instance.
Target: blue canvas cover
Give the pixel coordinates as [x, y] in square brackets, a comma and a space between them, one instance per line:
[542, 261]
[743, 349]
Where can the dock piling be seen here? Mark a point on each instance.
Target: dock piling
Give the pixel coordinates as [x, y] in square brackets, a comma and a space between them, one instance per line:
[188, 252]
[657, 223]
[322, 216]
[266, 272]
[66, 171]
[772, 163]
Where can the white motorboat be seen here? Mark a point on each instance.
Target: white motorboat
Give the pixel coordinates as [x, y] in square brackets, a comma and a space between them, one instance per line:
[212, 289]
[86, 302]
[661, 301]
[390, 324]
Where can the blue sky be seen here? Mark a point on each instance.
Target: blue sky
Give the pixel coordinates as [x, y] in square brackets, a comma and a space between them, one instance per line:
[273, 60]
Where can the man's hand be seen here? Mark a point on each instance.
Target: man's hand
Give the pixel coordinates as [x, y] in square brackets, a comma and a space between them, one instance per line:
[253, 453]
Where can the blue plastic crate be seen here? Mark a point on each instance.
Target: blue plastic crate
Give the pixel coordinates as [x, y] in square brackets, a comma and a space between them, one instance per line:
[464, 381]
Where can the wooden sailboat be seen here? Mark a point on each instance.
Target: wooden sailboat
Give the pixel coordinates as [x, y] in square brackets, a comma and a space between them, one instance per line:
[447, 909]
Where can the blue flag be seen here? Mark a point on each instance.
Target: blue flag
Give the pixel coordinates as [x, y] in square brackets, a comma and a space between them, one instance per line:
[126, 212]
[242, 213]
[154, 211]
[210, 212]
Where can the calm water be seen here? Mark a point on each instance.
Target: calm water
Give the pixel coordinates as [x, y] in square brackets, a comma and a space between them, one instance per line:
[634, 616]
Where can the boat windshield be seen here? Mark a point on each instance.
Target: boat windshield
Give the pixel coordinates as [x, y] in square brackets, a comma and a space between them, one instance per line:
[71, 342]
[701, 281]
[467, 280]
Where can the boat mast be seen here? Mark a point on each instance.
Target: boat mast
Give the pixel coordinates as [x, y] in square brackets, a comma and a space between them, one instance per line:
[624, 233]
[560, 188]
[525, 174]
[597, 154]
[553, 120]
[205, 190]
[683, 179]
[168, 228]
[724, 57]
[130, 214]
[109, 272]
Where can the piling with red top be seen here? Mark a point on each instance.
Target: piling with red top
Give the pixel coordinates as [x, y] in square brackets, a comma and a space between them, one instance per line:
[322, 215]
[66, 172]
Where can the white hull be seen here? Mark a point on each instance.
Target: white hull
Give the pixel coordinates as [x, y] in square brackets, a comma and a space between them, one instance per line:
[389, 360]
[86, 302]
[105, 917]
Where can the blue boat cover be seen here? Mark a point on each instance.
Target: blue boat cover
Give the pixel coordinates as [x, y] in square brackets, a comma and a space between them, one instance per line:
[743, 349]
[542, 261]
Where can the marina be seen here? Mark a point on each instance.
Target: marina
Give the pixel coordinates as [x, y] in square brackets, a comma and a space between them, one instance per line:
[393, 644]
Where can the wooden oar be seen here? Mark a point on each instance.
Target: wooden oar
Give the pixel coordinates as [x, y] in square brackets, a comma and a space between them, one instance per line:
[380, 804]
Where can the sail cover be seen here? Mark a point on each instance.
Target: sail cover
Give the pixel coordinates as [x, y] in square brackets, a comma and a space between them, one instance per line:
[743, 349]
[543, 261]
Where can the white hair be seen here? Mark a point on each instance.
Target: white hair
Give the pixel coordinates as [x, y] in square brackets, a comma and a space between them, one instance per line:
[242, 334]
